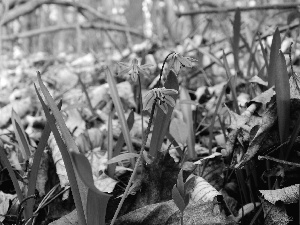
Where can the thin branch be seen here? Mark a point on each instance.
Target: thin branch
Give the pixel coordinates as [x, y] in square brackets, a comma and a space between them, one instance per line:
[242, 9]
[56, 28]
[278, 161]
[32, 5]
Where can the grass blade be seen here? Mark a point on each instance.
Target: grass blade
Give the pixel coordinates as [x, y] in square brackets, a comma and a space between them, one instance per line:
[120, 142]
[282, 88]
[264, 52]
[211, 128]
[36, 164]
[236, 39]
[232, 85]
[78, 192]
[20, 135]
[276, 45]
[119, 108]
[161, 122]
[188, 119]
[110, 142]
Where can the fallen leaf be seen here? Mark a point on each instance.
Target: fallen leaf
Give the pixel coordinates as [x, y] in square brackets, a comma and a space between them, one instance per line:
[287, 195]
[4, 203]
[275, 214]
[203, 191]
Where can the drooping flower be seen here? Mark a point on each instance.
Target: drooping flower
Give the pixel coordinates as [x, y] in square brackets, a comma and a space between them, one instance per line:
[178, 60]
[133, 69]
[162, 96]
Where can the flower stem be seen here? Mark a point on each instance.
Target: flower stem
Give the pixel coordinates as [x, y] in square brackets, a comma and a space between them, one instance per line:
[141, 105]
[135, 167]
[162, 69]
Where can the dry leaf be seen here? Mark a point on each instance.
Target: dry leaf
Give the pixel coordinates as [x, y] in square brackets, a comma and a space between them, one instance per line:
[4, 203]
[275, 214]
[264, 97]
[104, 183]
[287, 195]
[258, 80]
[203, 191]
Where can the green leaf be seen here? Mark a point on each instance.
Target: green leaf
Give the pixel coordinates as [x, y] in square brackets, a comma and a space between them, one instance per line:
[188, 119]
[120, 142]
[211, 128]
[78, 188]
[232, 84]
[119, 108]
[97, 200]
[180, 203]
[180, 184]
[282, 88]
[175, 144]
[20, 135]
[276, 45]
[236, 38]
[179, 130]
[121, 157]
[110, 142]
[36, 164]
[161, 122]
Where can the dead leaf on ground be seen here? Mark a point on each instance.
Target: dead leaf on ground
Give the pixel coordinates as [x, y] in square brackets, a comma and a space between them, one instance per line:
[287, 195]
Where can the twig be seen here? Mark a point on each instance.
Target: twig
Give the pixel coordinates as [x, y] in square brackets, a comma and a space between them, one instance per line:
[278, 160]
[30, 6]
[242, 9]
[57, 28]
[139, 160]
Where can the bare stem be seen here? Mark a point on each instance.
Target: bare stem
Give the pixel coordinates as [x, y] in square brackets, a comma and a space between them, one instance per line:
[242, 9]
[135, 167]
[162, 69]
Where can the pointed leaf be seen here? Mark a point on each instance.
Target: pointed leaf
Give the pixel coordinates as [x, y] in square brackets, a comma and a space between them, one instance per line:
[178, 199]
[161, 122]
[282, 88]
[236, 38]
[188, 119]
[20, 135]
[97, 200]
[78, 188]
[179, 130]
[120, 142]
[180, 184]
[36, 164]
[276, 45]
[119, 108]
